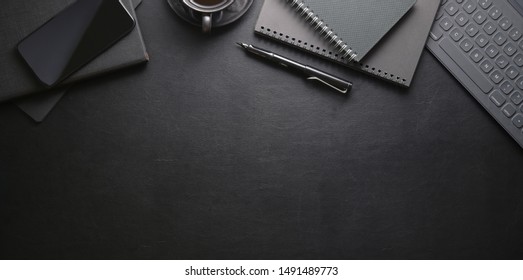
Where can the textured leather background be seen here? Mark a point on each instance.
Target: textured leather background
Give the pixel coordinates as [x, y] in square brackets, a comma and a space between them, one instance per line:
[206, 152]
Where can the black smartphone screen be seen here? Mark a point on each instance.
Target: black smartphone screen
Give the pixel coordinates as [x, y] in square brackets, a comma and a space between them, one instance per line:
[74, 37]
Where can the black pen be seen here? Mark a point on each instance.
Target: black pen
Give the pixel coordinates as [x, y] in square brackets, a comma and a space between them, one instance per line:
[338, 84]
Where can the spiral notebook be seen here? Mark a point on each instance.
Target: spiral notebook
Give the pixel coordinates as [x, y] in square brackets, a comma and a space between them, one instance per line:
[394, 57]
[353, 27]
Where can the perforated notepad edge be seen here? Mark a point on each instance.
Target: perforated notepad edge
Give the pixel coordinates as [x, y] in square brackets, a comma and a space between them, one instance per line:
[365, 68]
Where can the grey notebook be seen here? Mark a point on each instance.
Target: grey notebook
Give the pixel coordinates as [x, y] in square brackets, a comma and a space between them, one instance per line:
[353, 27]
[394, 58]
[18, 18]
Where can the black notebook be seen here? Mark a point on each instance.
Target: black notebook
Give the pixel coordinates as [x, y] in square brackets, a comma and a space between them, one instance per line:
[18, 18]
[393, 57]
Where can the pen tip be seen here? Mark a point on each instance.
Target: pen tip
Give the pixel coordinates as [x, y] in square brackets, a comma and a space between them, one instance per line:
[243, 45]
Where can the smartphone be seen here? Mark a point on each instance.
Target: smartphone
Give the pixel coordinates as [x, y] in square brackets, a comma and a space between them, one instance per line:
[73, 37]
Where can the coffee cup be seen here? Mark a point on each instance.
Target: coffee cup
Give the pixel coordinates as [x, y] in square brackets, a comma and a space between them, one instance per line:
[207, 8]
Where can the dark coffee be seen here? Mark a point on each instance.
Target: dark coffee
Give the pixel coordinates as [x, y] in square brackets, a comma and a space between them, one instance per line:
[208, 2]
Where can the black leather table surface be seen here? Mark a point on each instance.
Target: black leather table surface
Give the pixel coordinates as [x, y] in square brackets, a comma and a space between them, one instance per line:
[207, 152]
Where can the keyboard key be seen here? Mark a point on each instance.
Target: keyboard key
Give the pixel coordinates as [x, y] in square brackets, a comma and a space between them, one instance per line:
[519, 82]
[451, 9]
[502, 61]
[476, 56]
[514, 33]
[487, 66]
[480, 17]
[516, 97]
[500, 38]
[491, 51]
[472, 29]
[506, 87]
[485, 4]
[436, 33]
[518, 121]
[446, 24]
[496, 76]
[509, 110]
[466, 45]
[495, 13]
[490, 27]
[518, 59]
[462, 19]
[505, 23]
[462, 61]
[469, 7]
[497, 98]
[521, 44]
[481, 40]
[510, 49]
[456, 35]
[512, 72]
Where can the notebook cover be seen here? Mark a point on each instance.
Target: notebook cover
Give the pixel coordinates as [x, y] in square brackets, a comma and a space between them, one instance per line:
[38, 106]
[360, 23]
[18, 18]
[394, 58]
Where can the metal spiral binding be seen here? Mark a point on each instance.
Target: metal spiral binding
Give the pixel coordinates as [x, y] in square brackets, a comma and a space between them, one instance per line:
[324, 30]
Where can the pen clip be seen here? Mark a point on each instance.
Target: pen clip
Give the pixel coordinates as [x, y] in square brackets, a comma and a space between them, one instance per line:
[342, 90]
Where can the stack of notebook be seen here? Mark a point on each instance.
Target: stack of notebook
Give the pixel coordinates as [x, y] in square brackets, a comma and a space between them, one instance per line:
[379, 37]
[18, 18]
